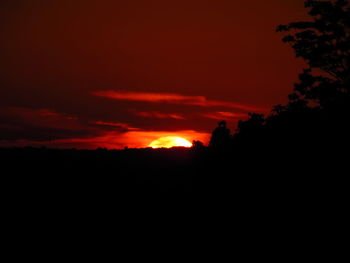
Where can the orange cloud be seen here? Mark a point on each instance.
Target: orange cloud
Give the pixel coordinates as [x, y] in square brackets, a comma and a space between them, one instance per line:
[174, 99]
[222, 115]
[116, 124]
[159, 115]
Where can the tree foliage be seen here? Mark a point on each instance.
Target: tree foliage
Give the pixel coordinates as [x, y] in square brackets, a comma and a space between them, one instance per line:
[319, 106]
[323, 42]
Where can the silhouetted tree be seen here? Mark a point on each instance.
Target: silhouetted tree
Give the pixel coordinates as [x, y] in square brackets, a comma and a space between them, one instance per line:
[323, 42]
[320, 103]
[220, 136]
[318, 109]
[253, 124]
[250, 132]
[197, 145]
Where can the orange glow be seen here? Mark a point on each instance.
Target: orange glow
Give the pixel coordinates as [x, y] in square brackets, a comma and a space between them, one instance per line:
[170, 141]
[132, 139]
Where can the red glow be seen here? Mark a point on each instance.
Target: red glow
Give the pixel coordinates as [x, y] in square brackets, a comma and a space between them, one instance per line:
[174, 99]
[160, 115]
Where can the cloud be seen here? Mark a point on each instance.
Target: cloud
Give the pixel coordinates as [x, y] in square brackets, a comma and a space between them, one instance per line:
[40, 116]
[174, 98]
[158, 115]
[222, 115]
[116, 124]
[18, 123]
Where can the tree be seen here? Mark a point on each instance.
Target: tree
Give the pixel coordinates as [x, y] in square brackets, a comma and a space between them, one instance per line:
[252, 126]
[220, 136]
[324, 43]
[197, 145]
[318, 109]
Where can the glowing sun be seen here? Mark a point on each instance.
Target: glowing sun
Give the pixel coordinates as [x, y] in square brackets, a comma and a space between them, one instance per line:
[169, 141]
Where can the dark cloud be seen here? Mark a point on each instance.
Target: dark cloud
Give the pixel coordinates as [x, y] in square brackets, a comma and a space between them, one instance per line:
[18, 123]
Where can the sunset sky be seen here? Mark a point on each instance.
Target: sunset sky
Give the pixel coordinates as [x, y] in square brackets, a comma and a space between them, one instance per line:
[110, 73]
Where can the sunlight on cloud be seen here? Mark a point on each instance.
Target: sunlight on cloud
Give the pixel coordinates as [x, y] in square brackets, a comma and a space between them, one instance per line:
[159, 115]
[222, 115]
[173, 98]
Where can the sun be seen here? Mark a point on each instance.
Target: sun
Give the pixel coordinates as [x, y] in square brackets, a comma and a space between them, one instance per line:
[170, 141]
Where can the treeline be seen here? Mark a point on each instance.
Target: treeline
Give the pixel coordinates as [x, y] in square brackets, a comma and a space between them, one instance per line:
[316, 117]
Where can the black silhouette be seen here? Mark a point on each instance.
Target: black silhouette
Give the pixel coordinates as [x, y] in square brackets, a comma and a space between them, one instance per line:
[316, 116]
[197, 145]
[220, 136]
[324, 44]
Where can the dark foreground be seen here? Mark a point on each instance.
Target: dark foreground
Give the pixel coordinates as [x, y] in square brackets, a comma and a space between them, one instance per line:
[98, 197]
[175, 173]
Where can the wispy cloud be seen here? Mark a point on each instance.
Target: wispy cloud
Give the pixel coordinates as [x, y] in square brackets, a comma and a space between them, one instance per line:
[174, 99]
[39, 116]
[39, 124]
[116, 124]
[158, 115]
[221, 115]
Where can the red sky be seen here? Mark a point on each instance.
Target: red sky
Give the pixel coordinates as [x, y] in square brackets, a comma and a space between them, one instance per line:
[111, 73]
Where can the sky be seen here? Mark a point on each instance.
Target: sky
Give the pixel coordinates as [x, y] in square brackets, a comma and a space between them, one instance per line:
[115, 74]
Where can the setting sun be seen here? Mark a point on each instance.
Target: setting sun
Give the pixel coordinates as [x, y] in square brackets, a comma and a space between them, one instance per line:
[169, 141]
